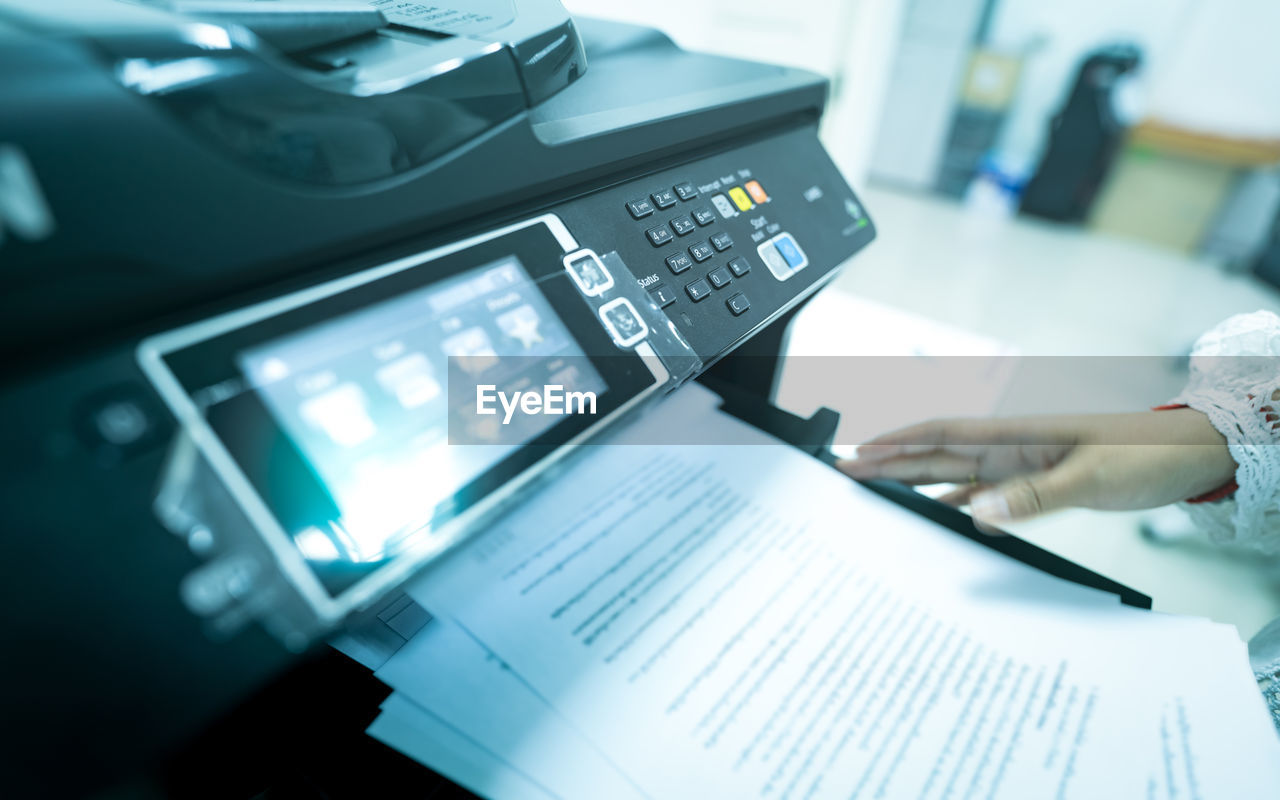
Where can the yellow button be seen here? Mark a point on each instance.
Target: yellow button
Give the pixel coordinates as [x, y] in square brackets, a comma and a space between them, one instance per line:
[757, 192]
[740, 199]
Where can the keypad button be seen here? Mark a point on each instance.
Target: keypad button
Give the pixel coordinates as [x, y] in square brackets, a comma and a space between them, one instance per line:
[664, 199]
[723, 205]
[719, 277]
[683, 226]
[701, 251]
[722, 241]
[698, 290]
[640, 208]
[738, 304]
[704, 216]
[679, 263]
[739, 198]
[663, 296]
[774, 260]
[740, 266]
[757, 192]
[791, 251]
[659, 236]
[686, 191]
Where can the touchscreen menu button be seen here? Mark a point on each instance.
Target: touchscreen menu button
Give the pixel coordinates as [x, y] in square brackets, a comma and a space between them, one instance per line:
[623, 323]
[588, 272]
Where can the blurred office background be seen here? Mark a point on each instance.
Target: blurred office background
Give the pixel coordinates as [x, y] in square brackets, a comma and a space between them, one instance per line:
[1095, 178]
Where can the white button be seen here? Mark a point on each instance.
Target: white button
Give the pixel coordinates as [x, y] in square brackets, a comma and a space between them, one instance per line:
[723, 205]
[623, 323]
[774, 261]
[588, 272]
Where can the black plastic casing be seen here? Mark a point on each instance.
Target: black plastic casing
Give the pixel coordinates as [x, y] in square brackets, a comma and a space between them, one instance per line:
[158, 226]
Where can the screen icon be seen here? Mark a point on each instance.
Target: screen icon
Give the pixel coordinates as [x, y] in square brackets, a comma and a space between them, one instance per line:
[341, 414]
[473, 350]
[410, 379]
[272, 369]
[522, 324]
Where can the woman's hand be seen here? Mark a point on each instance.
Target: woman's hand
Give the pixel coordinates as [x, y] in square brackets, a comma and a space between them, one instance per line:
[1017, 468]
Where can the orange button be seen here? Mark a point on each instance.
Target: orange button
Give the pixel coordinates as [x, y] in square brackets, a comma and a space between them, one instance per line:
[740, 199]
[757, 192]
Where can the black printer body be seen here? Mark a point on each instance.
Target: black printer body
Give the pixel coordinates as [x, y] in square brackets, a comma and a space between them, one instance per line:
[182, 187]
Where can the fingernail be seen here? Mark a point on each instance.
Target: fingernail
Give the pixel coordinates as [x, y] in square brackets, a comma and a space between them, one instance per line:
[990, 506]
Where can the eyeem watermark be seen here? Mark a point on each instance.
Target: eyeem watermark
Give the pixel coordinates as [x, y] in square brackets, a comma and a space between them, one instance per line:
[552, 401]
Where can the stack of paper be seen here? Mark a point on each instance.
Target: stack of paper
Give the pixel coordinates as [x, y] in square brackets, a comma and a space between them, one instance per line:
[743, 621]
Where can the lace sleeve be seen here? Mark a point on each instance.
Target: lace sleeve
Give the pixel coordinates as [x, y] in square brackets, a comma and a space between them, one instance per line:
[1235, 374]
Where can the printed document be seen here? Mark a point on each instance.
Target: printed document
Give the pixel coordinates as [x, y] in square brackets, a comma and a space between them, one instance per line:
[741, 620]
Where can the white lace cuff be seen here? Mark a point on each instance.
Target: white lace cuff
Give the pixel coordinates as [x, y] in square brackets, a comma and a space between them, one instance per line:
[1235, 369]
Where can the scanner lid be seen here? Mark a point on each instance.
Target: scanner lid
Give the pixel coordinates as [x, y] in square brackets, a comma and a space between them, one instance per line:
[330, 92]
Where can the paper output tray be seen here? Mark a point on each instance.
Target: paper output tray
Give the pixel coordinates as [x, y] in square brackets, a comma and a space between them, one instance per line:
[815, 436]
[327, 748]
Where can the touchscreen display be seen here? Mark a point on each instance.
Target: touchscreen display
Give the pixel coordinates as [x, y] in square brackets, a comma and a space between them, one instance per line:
[364, 399]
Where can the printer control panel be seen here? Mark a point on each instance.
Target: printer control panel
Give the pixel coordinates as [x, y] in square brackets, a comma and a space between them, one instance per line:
[724, 244]
[692, 229]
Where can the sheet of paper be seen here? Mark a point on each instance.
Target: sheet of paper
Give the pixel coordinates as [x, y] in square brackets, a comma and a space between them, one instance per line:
[453, 694]
[886, 658]
[425, 738]
[482, 702]
[472, 18]
[449, 676]
[1215, 736]
[763, 624]
[459, 710]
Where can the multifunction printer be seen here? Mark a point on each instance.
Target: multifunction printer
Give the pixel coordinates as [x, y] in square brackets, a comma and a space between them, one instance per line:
[257, 258]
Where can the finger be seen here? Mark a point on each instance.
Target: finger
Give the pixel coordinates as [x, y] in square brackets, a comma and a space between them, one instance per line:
[1031, 495]
[987, 528]
[920, 438]
[960, 435]
[931, 468]
[961, 495]
[859, 468]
